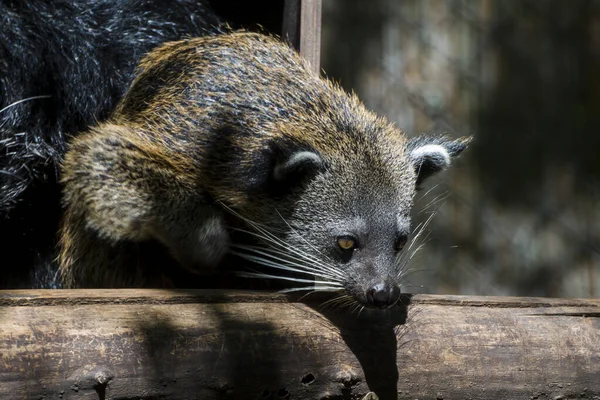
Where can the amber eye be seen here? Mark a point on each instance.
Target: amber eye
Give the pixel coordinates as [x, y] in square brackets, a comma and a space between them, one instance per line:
[346, 242]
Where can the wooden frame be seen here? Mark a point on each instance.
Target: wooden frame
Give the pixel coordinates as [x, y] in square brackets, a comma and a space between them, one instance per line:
[151, 344]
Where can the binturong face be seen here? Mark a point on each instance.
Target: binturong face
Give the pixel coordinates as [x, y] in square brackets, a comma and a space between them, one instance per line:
[347, 227]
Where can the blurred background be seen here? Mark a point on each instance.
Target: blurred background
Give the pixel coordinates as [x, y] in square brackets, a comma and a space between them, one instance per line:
[519, 212]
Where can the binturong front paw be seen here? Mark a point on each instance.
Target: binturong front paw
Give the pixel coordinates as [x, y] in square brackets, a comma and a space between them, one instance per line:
[201, 249]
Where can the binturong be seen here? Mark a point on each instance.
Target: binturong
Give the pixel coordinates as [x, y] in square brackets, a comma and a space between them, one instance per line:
[230, 144]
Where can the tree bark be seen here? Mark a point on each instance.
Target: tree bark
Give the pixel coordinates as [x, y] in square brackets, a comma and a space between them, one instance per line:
[155, 344]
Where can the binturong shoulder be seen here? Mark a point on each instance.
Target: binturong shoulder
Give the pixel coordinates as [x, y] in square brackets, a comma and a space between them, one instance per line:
[231, 145]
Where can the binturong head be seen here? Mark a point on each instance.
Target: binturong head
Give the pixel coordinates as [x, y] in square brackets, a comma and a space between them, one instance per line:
[340, 215]
[344, 213]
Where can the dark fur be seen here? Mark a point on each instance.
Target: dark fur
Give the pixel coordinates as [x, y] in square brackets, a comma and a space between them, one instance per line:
[82, 54]
[219, 129]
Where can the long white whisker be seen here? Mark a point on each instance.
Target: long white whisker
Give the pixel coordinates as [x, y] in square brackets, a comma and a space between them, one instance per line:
[359, 311]
[272, 239]
[406, 259]
[282, 245]
[288, 278]
[24, 100]
[271, 253]
[240, 216]
[261, 229]
[279, 243]
[286, 257]
[313, 288]
[337, 300]
[425, 241]
[272, 264]
[407, 255]
[410, 272]
[421, 230]
[304, 256]
[300, 236]
[429, 191]
[441, 197]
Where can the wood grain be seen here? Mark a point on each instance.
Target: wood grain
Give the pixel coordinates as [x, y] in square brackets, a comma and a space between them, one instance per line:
[302, 29]
[155, 344]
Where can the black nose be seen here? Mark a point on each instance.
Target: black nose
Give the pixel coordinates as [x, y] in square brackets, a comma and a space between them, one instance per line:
[383, 295]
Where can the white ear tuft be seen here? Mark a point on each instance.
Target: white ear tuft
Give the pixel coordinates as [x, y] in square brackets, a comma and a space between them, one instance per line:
[430, 154]
[301, 162]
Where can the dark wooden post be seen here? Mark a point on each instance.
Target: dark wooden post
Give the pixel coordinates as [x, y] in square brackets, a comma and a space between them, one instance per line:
[302, 29]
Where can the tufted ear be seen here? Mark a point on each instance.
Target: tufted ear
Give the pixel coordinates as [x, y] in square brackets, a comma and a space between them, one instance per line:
[276, 168]
[431, 154]
[292, 166]
[297, 166]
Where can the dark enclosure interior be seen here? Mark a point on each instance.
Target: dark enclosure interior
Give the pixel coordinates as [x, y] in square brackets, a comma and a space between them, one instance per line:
[251, 15]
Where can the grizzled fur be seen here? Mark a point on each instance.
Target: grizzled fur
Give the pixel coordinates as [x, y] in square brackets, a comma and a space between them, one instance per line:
[63, 66]
[216, 130]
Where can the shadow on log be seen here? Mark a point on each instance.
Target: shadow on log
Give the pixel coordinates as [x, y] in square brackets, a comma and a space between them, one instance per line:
[155, 344]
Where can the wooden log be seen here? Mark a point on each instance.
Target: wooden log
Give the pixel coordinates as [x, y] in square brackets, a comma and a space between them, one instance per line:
[302, 29]
[155, 344]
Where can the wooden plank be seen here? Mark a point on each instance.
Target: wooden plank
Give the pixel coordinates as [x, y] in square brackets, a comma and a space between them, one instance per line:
[150, 344]
[302, 29]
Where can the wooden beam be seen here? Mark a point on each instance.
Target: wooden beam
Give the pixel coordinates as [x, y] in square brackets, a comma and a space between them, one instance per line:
[302, 29]
[150, 344]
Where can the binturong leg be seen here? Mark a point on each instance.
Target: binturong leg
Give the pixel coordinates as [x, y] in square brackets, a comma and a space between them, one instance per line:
[122, 189]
